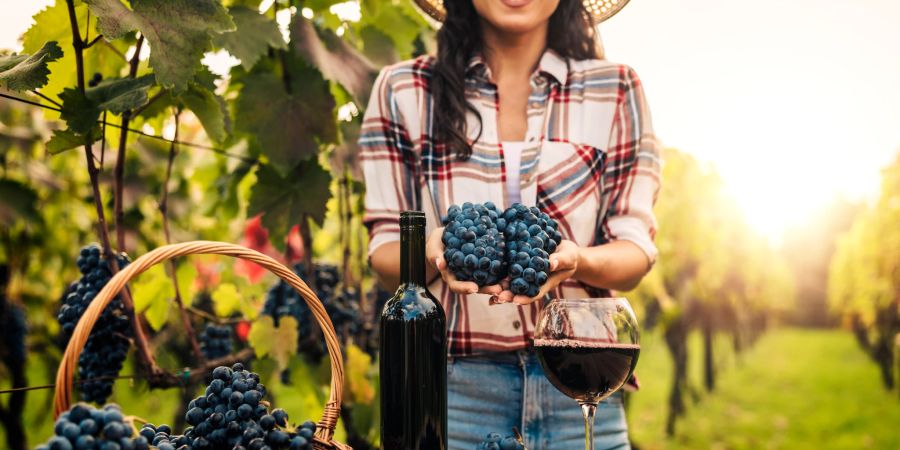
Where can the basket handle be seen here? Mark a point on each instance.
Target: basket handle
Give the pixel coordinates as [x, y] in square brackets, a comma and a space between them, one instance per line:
[69, 363]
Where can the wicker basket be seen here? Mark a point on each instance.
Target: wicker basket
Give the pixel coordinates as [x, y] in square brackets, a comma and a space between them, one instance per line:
[69, 364]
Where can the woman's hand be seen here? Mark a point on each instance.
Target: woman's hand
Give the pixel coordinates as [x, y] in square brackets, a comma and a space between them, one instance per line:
[563, 264]
[434, 254]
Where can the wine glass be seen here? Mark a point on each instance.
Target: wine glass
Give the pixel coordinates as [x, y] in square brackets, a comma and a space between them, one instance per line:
[588, 349]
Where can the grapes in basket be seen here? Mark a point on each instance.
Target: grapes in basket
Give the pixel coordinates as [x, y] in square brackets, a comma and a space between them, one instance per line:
[232, 414]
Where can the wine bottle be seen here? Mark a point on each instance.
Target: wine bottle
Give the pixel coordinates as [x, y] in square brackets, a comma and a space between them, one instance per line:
[413, 353]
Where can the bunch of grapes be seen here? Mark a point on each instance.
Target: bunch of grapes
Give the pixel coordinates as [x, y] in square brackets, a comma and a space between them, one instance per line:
[84, 427]
[493, 441]
[215, 341]
[233, 415]
[106, 348]
[474, 245]
[341, 305]
[531, 236]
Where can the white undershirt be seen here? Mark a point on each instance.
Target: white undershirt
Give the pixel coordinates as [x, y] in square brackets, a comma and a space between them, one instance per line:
[512, 156]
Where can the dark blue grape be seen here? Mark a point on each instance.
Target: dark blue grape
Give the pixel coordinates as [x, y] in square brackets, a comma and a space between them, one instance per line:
[108, 344]
[216, 341]
[84, 427]
[473, 245]
[534, 235]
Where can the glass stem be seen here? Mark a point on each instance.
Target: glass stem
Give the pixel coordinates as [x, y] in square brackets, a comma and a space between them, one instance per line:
[588, 409]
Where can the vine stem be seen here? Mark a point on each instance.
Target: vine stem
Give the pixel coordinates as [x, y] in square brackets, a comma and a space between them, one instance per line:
[120, 158]
[94, 173]
[173, 270]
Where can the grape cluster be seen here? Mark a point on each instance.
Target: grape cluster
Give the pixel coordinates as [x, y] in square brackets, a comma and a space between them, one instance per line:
[531, 236]
[215, 341]
[233, 415]
[473, 244]
[493, 441]
[341, 305]
[84, 427]
[106, 348]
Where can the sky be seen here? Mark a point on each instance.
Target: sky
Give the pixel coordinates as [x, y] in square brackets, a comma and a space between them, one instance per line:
[793, 102]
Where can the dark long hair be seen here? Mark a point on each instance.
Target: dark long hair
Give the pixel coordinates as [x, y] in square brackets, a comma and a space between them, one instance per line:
[570, 34]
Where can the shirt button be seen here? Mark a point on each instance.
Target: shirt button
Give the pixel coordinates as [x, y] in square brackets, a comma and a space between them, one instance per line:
[517, 324]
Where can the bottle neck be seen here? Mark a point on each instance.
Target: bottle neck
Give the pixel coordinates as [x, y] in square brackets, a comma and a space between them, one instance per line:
[412, 254]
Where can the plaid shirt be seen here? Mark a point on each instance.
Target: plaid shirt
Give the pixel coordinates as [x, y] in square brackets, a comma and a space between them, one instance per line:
[590, 161]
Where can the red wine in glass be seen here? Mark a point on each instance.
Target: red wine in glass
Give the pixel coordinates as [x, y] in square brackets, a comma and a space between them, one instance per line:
[587, 372]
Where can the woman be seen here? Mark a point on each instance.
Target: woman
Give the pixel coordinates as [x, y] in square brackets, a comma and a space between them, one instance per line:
[518, 105]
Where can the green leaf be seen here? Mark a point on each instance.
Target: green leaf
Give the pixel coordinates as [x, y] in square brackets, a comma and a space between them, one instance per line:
[52, 24]
[63, 140]
[226, 300]
[358, 375]
[288, 124]
[178, 32]
[251, 40]
[23, 72]
[120, 95]
[152, 293]
[17, 201]
[335, 58]
[285, 201]
[186, 274]
[280, 342]
[79, 112]
[209, 108]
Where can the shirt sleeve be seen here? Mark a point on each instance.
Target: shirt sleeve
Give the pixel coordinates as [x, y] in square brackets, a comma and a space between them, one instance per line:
[632, 173]
[388, 164]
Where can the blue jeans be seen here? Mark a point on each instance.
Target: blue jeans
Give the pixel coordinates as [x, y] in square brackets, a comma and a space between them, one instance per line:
[498, 392]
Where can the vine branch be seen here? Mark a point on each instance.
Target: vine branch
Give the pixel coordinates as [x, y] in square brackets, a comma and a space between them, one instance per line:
[119, 171]
[103, 230]
[173, 270]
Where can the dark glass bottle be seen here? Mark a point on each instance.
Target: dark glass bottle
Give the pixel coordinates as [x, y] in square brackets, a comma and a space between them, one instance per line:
[413, 353]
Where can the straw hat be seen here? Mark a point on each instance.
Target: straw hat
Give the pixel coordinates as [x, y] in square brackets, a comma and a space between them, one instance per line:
[600, 9]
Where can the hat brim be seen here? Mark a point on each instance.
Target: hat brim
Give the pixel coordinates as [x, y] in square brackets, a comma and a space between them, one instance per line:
[599, 10]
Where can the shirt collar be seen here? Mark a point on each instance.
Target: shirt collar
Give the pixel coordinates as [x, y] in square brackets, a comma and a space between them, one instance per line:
[551, 63]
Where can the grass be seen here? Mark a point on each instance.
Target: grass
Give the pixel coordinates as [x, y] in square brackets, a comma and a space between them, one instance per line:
[795, 389]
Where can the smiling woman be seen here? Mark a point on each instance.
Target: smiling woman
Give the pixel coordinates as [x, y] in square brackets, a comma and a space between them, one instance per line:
[523, 78]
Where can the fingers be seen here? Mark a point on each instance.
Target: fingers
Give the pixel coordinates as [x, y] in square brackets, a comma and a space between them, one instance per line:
[434, 248]
[493, 289]
[502, 297]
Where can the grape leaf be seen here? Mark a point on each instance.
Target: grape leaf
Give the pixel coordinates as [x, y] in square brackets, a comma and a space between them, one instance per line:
[251, 40]
[288, 125]
[152, 293]
[63, 140]
[81, 111]
[278, 342]
[335, 58]
[23, 72]
[178, 32]
[52, 24]
[186, 274]
[209, 108]
[120, 95]
[284, 201]
[357, 367]
[226, 300]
